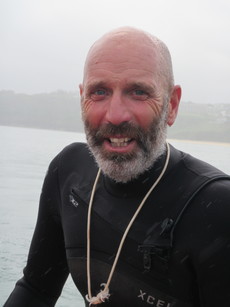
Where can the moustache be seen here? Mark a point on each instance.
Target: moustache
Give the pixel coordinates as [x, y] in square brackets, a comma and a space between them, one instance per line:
[125, 129]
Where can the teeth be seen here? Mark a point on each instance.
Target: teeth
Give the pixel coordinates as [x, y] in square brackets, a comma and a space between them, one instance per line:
[119, 142]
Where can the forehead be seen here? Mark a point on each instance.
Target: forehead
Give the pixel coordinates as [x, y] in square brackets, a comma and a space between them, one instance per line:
[122, 55]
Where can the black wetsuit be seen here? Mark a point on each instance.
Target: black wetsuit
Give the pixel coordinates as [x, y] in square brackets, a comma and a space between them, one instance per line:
[177, 252]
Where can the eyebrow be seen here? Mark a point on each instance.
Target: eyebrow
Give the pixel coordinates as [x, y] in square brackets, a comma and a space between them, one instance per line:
[95, 85]
[142, 85]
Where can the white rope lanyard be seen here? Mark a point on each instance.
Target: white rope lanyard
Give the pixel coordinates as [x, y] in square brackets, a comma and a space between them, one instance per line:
[104, 294]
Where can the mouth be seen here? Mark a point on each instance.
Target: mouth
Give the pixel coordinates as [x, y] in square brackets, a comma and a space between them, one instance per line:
[119, 142]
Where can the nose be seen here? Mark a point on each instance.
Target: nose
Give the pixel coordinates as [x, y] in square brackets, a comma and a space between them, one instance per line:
[117, 110]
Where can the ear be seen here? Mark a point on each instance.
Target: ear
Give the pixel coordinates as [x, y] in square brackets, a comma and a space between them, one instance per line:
[174, 105]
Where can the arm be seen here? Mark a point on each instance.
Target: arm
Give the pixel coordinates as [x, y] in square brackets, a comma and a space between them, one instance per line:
[212, 254]
[46, 270]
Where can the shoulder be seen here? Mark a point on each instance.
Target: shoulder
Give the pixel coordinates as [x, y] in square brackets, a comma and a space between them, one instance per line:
[74, 156]
[75, 148]
[74, 151]
[216, 195]
[194, 165]
[207, 188]
[210, 209]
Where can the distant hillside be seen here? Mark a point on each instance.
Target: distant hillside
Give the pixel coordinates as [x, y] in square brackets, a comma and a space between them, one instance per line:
[58, 110]
[204, 122]
[61, 111]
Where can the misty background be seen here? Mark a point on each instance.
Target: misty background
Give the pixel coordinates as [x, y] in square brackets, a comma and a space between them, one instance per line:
[44, 44]
[60, 110]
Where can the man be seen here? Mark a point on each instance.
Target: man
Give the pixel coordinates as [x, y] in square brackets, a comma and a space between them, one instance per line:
[135, 221]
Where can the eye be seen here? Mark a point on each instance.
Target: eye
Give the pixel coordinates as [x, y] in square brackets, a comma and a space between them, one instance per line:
[139, 94]
[99, 94]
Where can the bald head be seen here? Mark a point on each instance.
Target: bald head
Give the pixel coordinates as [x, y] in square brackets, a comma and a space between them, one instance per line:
[127, 42]
[128, 99]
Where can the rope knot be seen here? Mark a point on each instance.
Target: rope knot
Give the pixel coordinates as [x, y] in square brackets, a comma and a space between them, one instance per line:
[100, 298]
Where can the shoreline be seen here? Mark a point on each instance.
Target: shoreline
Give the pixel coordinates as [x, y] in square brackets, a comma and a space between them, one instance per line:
[168, 139]
[199, 142]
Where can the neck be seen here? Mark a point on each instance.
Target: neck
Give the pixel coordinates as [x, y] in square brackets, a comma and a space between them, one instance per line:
[137, 186]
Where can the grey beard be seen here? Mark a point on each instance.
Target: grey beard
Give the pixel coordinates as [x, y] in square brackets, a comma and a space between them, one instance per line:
[126, 167]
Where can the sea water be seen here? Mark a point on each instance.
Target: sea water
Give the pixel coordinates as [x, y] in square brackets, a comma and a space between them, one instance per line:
[24, 158]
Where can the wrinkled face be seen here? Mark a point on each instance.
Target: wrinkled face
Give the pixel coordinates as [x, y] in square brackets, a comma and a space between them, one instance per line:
[124, 108]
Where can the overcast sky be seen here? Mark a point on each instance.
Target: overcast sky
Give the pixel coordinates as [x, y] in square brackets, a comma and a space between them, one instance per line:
[44, 42]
